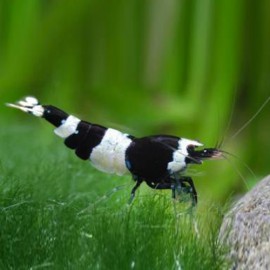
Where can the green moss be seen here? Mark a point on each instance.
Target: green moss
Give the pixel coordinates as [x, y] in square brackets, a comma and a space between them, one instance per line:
[58, 212]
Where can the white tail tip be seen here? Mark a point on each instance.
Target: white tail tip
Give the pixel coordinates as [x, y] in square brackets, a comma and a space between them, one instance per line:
[29, 105]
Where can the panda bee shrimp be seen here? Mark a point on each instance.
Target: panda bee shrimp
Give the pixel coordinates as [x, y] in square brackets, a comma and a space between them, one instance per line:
[159, 160]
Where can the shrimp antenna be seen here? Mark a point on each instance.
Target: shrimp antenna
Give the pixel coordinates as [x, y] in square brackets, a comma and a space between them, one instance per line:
[251, 119]
[242, 162]
[221, 141]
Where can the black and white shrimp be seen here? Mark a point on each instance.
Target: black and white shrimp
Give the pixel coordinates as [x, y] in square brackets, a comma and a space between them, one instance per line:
[160, 160]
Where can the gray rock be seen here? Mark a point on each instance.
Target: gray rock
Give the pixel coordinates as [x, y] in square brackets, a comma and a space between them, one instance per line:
[246, 229]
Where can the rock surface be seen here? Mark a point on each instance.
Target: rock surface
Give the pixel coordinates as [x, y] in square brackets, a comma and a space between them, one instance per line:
[246, 229]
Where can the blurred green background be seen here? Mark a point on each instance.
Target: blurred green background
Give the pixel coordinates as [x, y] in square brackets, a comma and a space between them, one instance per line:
[196, 69]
